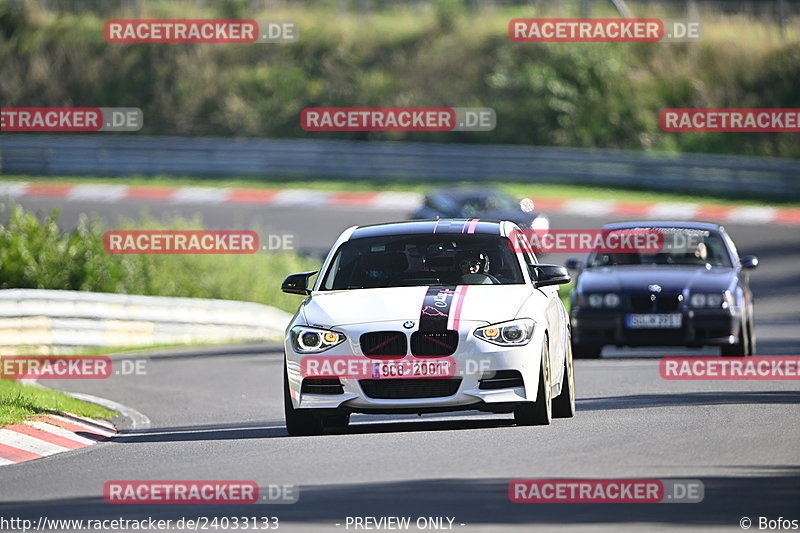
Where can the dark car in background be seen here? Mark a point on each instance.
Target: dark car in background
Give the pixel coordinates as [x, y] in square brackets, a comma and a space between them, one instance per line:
[484, 203]
[693, 293]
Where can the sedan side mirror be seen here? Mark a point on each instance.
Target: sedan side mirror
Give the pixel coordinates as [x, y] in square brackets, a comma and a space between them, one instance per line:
[546, 275]
[573, 264]
[297, 283]
[749, 261]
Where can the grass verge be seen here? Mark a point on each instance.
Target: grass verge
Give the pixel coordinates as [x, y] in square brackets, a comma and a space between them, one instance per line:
[19, 402]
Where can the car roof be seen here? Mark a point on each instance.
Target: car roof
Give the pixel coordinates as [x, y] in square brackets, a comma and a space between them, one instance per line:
[464, 193]
[437, 226]
[682, 224]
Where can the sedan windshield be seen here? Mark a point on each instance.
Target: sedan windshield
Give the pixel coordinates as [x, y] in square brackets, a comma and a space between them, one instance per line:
[681, 247]
[408, 260]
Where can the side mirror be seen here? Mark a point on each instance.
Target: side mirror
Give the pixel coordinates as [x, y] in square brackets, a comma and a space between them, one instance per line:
[546, 275]
[749, 261]
[297, 283]
[573, 264]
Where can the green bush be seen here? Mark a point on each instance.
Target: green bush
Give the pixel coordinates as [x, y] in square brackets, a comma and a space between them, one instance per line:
[36, 254]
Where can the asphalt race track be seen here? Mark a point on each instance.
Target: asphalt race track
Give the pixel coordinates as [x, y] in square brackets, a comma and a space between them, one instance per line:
[216, 414]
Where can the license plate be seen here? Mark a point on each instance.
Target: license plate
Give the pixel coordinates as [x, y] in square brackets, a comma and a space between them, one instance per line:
[413, 369]
[655, 321]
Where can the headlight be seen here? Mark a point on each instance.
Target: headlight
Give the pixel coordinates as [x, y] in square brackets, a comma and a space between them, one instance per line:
[514, 333]
[714, 300]
[604, 300]
[306, 339]
[697, 300]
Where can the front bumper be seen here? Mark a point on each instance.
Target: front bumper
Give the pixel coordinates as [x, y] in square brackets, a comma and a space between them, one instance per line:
[699, 327]
[474, 359]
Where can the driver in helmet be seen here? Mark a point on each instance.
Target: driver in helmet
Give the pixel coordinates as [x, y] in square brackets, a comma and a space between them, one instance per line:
[474, 267]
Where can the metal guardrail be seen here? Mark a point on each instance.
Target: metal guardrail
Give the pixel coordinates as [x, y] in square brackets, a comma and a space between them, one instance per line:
[62, 319]
[298, 159]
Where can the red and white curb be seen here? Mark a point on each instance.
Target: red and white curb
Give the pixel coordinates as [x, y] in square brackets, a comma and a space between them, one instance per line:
[46, 435]
[389, 200]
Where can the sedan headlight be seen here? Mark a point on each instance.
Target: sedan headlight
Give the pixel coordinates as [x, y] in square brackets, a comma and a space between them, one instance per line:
[513, 333]
[714, 300]
[306, 339]
[609, 300]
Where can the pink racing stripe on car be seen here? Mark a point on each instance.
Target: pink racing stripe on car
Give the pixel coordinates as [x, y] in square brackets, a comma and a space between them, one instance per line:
[458, 302]
[472, 224]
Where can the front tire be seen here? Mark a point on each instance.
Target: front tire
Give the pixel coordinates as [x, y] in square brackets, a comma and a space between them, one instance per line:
[540, 412]
[299, 422]
[742, 346]
[564, 403]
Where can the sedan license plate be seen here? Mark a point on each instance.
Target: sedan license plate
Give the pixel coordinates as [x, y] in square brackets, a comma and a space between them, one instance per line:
[413, 369]
[655, 321]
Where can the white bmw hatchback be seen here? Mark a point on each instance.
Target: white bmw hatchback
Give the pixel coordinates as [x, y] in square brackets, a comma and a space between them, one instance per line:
[428, 316]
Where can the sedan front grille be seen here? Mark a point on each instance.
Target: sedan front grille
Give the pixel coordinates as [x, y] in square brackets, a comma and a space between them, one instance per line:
[663, 303]
[403, 389]
[392, 343]
[435, 343]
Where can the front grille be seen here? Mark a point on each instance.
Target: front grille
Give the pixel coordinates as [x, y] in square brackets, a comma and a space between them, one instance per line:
[434, 342]
[322, 386]
[664, 303]
[502, 379]
[402, 389]
[384, 343]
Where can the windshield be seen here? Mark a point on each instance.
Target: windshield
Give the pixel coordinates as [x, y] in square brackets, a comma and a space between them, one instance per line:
[409, 260]
[474, 205]
[681, 247]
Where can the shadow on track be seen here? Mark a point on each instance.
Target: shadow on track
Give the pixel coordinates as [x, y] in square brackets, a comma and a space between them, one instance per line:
[772, 493]
[642, 401]
[272, 430]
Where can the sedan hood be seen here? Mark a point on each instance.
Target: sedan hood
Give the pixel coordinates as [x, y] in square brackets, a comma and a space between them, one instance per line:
[484, 303]
[672, 279]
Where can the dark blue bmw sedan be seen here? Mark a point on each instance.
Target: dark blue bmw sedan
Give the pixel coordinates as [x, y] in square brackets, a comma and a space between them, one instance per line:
[693, 292]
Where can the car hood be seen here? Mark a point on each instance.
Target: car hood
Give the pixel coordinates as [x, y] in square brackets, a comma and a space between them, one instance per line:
[484, 303]
[671, 279]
